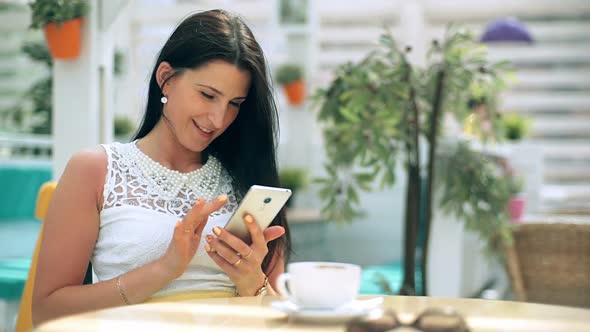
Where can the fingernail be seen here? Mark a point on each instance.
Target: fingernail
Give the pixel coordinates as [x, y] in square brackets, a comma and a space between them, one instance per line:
[249, 219]
[209, 238]
[217, 230]
[207, 248]
[222, 198]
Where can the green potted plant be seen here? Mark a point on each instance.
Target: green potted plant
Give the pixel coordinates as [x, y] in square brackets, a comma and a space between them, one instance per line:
[293, 12]
[516, 126]
[61, 21]
[295, 179]
[118, 63]
[290, 76]
[377, 112]
[123, 127]
[481, 123]
[517, 202]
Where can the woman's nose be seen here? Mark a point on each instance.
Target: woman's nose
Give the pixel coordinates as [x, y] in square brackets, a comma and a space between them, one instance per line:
[217, 115]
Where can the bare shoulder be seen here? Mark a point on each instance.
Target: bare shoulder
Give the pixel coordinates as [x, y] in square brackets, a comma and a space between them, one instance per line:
[90, 162]
[92, 159]
[87, 167]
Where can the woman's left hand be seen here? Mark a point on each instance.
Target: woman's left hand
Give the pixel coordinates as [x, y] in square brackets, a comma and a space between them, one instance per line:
[243, 262]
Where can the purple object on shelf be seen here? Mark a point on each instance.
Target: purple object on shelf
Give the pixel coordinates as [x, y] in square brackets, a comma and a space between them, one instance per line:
[507, 29]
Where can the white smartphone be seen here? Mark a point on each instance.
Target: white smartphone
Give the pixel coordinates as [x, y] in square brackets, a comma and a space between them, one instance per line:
[261, 202]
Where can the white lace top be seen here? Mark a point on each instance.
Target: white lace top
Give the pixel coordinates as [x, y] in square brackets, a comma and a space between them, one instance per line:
[142, 202]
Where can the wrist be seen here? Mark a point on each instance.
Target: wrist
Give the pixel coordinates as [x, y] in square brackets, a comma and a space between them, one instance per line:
[255, 288]
[163, 271]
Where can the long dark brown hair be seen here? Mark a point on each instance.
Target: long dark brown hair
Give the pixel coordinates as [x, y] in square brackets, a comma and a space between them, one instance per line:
[247, 149]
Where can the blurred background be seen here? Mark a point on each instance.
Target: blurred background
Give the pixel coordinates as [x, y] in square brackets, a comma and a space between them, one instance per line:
[50, 108]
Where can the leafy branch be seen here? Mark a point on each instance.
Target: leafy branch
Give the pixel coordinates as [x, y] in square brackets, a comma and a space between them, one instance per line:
[378, 111]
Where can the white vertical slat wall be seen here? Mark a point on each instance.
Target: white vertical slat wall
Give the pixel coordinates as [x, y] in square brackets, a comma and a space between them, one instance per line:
[347, 31]
[552, 88]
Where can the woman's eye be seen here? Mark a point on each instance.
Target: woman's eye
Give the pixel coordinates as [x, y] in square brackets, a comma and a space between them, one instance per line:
[206, 95]
[236, 104]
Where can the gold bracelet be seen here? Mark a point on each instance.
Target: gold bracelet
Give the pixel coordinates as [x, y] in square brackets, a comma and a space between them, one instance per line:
[121, 291]
[262, 291]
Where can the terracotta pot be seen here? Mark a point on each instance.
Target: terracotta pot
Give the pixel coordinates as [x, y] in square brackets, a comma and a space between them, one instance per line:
[516, 208]
[295, 92]
[64, 42]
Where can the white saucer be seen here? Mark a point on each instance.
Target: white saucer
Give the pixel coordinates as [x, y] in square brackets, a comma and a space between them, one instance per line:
[354, 309]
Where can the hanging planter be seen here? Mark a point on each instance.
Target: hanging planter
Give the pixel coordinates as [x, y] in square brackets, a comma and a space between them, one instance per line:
[64, 41]
[62, 23]
[291, 78]
[295, 92]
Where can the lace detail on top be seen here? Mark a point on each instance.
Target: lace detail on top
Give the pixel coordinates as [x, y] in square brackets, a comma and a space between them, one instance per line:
[135, 179]
[142, 202]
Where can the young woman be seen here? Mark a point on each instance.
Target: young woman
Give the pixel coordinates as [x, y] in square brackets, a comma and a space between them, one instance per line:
[149, 214]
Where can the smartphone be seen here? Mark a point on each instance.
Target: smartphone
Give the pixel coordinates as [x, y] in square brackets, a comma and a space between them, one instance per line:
[262, 203]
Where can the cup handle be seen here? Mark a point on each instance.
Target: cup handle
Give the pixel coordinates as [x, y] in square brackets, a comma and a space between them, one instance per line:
[282, 286]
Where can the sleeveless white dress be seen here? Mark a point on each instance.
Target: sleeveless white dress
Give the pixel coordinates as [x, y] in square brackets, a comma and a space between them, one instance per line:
[142, 202]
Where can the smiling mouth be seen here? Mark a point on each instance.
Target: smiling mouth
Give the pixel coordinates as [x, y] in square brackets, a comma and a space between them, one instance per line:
[203, 129]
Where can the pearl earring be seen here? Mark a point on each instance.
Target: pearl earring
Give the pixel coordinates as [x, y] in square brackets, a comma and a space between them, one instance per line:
[164, 100]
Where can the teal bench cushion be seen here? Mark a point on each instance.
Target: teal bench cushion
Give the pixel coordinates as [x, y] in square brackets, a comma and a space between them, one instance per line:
[17, 243]
[20, 184]
[18, 227]
[13, 275]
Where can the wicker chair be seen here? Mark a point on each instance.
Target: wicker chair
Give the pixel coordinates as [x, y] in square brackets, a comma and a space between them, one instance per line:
[550, 263]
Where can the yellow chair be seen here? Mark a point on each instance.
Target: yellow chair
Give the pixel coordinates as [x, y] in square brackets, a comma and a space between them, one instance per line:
[24, 322]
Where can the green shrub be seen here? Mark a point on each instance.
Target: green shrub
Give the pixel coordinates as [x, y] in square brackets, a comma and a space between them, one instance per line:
[288, 73]
[516, 126]
[293, 178]
[123, 126]
[57, 11]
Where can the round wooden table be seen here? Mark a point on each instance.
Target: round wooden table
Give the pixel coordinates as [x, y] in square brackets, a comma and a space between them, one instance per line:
[255, 314]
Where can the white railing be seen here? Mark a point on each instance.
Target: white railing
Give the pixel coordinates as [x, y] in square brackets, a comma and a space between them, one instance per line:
[25, 147]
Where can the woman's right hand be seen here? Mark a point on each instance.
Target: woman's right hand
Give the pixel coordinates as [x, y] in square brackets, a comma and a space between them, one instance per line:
[187, 235]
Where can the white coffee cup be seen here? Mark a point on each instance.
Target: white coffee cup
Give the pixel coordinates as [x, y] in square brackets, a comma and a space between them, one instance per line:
[320, 285]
